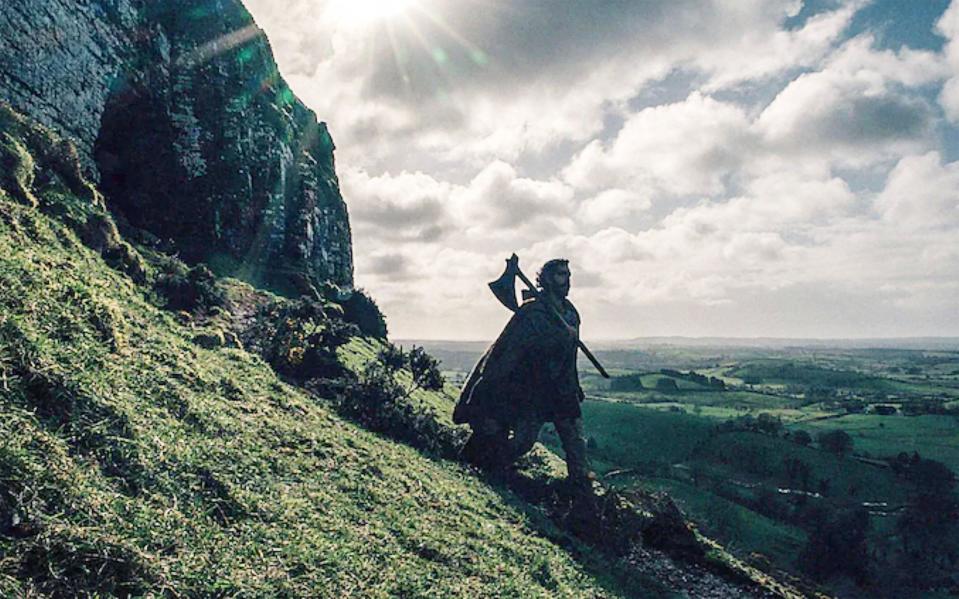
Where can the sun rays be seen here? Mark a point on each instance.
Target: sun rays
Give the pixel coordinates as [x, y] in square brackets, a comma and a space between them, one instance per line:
[409, 26]
[359, 13]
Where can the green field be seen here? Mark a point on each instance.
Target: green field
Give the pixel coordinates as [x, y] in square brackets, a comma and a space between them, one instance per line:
[627, 437]
[935, 437]
[754, 490]
[756, 457]
[734, 460]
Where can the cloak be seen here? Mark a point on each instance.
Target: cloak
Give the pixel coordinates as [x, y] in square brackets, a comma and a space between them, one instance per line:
[529, 372]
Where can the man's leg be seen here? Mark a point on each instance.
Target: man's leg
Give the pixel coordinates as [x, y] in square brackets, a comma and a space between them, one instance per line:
[486, 445]
[525, 433]
[570, 431]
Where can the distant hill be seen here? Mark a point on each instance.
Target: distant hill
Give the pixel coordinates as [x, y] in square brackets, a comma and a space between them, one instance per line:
[637, 343]
[930, 343]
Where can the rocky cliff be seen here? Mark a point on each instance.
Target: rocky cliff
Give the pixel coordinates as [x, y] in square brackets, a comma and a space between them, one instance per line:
[177, 109]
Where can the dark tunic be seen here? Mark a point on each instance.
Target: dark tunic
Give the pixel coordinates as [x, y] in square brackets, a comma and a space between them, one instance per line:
[528, 373]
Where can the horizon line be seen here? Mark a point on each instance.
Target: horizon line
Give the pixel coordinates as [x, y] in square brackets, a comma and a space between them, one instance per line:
[952, 338]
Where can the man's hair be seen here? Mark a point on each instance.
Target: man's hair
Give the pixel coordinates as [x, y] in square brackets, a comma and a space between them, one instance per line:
[548, 268]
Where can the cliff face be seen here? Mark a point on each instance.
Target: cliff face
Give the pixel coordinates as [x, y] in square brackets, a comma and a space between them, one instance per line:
[177, 109]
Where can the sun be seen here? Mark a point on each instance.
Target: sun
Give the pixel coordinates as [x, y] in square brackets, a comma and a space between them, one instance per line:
[367, 12]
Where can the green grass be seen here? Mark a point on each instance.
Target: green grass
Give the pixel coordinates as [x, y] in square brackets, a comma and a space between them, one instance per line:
[933, 436]
[360, 350]
[783, 372]
[755, 457]
[634, 437]
[739, 529]
[627, 436]
[147, 463]
[734, 400]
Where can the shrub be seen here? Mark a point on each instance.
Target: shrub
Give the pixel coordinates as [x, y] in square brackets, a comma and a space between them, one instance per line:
[299, 339]
[837, 441]
[837, 545]
[376, 400]
[361, 310]
[425, 370]
[189, 289]
[769, 424]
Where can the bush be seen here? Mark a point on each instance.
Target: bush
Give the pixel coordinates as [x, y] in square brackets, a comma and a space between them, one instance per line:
[425, 370]
[928, 529]
[801, 438]
[299, 339]
[838, 442]
[769, 424]
[837, 545]
[189, 289]
[361, 310]
[376, 400]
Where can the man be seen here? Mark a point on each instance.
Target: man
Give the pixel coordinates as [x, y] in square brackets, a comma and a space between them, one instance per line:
[527, 378]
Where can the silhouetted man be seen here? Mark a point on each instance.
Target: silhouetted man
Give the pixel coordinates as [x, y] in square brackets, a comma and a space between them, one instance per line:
[527, 378]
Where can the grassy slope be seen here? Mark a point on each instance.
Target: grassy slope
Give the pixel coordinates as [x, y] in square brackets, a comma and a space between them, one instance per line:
[742, 530]
[360, 350]
[137, 460]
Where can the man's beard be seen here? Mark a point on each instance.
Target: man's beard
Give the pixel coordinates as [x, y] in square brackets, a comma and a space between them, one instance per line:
[559, 291]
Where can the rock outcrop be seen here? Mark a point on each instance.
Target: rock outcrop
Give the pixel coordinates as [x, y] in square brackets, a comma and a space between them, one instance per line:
[178, 110]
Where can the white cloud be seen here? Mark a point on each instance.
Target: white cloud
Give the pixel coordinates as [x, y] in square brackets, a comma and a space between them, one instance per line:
[854, 110]
[501, 200]
[612, 206]
[922, 193]
[859, 58]
[948, 26]
[775, 181]
[682, 148]
[408, 207]
[752, 248]
[470, 85]
[769, 51]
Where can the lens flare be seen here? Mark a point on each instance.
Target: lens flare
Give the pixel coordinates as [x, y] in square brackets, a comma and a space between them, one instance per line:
[367, 12]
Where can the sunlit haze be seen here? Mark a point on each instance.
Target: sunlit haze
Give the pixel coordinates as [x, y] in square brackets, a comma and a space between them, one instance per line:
[352, 13]
[710, 167]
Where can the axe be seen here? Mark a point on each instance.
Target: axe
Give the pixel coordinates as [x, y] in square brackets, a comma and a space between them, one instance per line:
[504, 288]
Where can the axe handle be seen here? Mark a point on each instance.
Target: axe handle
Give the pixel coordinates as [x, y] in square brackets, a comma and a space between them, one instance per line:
[592, 358]
[579, 342]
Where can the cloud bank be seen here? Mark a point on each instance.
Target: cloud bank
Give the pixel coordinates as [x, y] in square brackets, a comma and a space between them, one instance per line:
[710, 167]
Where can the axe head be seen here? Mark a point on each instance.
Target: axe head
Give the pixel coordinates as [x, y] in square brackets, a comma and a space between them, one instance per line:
[504, 288]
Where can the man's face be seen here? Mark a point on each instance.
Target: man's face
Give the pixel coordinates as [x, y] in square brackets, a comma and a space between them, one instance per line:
[559, 280]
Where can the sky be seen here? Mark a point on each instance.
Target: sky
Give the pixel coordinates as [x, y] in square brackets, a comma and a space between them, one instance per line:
[734, 168]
